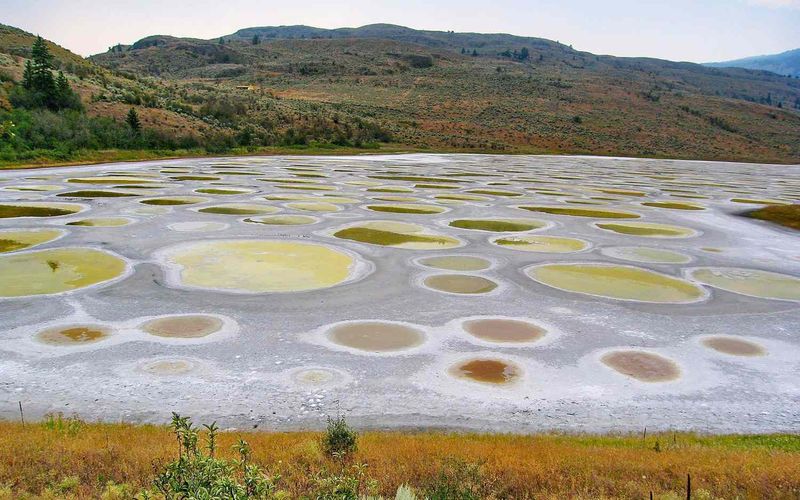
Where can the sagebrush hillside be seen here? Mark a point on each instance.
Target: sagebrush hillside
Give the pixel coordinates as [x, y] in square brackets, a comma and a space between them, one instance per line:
[416, 89]
[467, 90]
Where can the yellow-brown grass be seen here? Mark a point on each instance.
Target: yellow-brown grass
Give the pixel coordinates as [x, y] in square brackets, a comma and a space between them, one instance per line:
[35, 459]
[785, 215]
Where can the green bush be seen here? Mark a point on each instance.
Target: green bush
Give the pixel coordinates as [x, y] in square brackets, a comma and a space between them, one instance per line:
[70, 426]
[351, 483]
[340, 440]
[197, 473]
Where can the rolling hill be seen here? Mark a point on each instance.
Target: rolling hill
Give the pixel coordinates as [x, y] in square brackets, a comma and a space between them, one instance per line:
[785, 63]
[440, 91]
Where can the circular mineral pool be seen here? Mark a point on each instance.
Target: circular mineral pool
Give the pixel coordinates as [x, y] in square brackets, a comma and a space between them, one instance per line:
[750, 282]
[20, 239]
[376, 336]
[283, 220]
[239, 209]
[733, 346]
[174, 200]
[314, 206]
[543, 244]
[503, 330]
[647, 229]
[641, 365]
[37, 209]
[70, 335]
[486, 371]
[461, 284]
[596, 213]
[646, 255]
[168, 367]
[189, 326]
[46, 272]
[316, 376]
[673, 205]
[258, 266]
[397, 235]
[407, 208]
[617, 282]
[101, 222]
[498, 225]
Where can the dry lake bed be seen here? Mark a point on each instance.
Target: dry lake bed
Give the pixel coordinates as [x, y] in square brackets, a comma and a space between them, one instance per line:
[493, 293]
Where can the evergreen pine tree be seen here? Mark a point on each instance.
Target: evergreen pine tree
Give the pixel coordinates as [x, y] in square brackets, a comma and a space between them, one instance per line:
[133, 121]
[41, 68]
[27, 75]
[62, 85]
[64, 97]
[256, 40]
[474, 53]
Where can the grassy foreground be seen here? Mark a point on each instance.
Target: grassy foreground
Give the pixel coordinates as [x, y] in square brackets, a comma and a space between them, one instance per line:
[64, 458]
[785, 215]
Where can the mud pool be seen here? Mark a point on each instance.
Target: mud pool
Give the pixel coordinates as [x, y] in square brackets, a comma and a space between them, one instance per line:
[492, 293]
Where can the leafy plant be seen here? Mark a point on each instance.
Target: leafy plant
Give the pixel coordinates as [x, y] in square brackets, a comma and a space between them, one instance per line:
[197, 473]
[350, 483]
[57, 422]
[340, 440]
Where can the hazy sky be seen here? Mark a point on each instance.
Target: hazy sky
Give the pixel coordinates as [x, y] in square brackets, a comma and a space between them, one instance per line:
[689, 30]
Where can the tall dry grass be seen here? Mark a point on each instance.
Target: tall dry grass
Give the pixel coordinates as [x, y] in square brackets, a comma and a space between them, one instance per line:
[79, 460]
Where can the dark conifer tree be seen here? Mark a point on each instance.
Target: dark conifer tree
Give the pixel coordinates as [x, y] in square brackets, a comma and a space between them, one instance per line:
[27, 75]
[133, 121]
[42, 66]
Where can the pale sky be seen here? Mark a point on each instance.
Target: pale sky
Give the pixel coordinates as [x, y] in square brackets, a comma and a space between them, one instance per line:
[685, 30]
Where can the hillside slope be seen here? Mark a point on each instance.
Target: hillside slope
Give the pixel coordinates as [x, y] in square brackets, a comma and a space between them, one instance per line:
[103, 93]
[496, 92]
[432, 90]
[785, 63]
[178, 116]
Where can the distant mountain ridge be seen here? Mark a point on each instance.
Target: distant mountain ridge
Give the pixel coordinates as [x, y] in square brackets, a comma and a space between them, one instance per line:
[785, 63]
[434, 39]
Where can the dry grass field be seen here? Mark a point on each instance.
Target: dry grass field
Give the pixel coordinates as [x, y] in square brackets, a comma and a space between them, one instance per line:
[63, 458]
[785, 215]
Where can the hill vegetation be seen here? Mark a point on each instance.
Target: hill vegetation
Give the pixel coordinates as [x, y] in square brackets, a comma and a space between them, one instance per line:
[391, 87]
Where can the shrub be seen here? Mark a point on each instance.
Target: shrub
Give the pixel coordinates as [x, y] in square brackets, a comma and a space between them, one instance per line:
[418, 61]
[197, 473]
[459, 480]
[71, 426]
[351, 483]
[340, 439]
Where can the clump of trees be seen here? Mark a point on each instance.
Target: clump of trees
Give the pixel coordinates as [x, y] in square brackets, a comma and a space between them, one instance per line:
[44, 118]
[523, 54]
[40, 88]
[47, 119]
